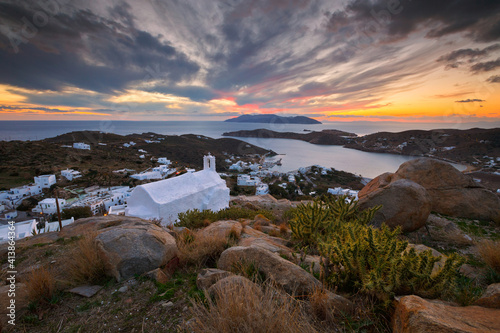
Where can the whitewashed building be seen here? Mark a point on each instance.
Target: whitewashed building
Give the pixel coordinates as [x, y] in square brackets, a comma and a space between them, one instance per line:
[81, 145]
[246, 180]
[54, 226]
[291, 178]
[45, 181]
[17, 193]
[343, 191]
[164, 160]
[10, 215]
[48, 206]
[22, 230]
[71, 174]
[149, 175]
[262, 189]
[164, 200]
[238, 166]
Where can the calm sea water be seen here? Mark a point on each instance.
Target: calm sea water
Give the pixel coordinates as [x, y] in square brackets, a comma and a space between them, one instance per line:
[295, 153]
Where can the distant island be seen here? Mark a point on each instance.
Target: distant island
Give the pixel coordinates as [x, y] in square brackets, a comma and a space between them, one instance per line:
[273, 119]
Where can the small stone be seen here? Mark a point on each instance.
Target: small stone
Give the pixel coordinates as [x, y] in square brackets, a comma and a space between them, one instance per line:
[168, 304]
[86, 291]
[123, 289]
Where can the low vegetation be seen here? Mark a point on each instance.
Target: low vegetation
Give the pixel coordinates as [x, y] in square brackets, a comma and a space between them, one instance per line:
[195, 218]
[40, 285]
[244, 310]
[200, 249]
[490, 253]
[87, 265]
[361, 258]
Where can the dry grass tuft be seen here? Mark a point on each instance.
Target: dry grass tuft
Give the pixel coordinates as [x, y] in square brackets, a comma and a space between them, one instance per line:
[283, 228]
[40, 285]
[243, 310]
[257, 226]
[87, 264]
[199, 249]
[320, 307]
[490, 253]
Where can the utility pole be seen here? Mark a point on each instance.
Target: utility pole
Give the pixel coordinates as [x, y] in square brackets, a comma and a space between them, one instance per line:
[58, 211]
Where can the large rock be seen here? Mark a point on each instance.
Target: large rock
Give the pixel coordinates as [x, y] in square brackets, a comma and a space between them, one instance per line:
[491, 297]
[451, 192]
[286, 274]
[251, 237]
[136, 249]
[222, 229]
[232, 283]
[208, 276]
[376, 183]
[414, 314]
[404, 203]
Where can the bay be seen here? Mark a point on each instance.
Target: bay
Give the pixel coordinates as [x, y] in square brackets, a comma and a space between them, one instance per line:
[294, 153]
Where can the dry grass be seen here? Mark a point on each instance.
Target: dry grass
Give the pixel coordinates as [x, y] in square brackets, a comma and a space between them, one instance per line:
[490, 253]
[320, 307]
[40, 285]
[257, 226]
[242, 310]
[199, 249]
[87, 264]
[283, 228]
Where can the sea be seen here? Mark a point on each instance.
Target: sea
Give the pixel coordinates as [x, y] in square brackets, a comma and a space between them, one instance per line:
[294, 153]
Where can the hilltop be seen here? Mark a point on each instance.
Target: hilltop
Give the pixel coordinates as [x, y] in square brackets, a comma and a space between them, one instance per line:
[20, 161]
[273, 119]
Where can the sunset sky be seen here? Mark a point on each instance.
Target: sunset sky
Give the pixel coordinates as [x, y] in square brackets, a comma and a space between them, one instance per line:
[427, 60]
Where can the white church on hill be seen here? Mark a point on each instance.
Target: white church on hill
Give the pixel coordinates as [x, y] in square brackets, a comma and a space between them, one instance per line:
[165, 199]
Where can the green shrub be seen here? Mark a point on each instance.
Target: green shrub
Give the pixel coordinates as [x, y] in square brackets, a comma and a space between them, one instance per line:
[361, 258]
[197, 219]
[377, 262]
[313, 221]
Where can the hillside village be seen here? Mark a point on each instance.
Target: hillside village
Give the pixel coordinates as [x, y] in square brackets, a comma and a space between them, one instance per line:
[34, 205]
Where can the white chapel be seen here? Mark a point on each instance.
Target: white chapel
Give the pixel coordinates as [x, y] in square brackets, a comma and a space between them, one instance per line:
[165, 199]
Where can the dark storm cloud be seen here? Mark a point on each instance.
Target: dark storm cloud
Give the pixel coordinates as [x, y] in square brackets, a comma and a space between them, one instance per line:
[470, 100]
[468, 54]
[485, 66]
[494, 79]
[480, 19]
[457, 58]
[82, 49]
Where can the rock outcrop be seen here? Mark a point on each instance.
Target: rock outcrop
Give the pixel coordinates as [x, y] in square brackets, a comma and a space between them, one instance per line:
[450, 192]
[289, 276]
[404, 203]
[415, 314]
[230, 283]
[222, 229]
[209, 276]
[135, 248]
[491, 297]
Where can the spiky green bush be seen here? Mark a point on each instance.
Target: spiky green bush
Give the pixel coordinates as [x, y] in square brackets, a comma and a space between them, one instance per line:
[377, 262]
[362, 258]
[197, 219]
[311, 222]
